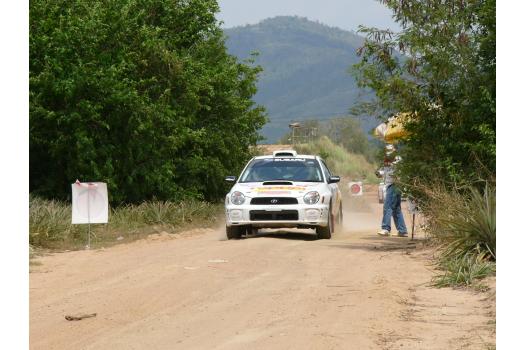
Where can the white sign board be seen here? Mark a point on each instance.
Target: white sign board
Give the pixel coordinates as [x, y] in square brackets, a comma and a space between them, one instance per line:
[90, 203]
[355, 188]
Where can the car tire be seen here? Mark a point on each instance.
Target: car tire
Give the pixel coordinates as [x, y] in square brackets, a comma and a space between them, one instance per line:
[234, 232]
[252, 231]
[326, 231]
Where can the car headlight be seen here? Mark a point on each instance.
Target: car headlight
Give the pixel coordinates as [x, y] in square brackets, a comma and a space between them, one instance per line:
[237, 198]
[311, 197]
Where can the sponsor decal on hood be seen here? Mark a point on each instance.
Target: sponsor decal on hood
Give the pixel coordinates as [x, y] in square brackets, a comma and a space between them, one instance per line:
[279, 188]
[259, 190]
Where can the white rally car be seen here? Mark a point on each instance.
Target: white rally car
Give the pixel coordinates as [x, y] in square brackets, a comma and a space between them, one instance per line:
[284, 190]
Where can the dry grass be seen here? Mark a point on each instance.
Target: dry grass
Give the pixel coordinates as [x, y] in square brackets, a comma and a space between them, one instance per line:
[50, 222]
[339, 160]
[463, 222]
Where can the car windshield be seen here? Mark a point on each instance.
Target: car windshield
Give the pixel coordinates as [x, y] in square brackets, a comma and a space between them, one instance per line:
[287, 169]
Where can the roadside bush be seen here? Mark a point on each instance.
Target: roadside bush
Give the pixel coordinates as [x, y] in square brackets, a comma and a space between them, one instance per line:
[463, 222]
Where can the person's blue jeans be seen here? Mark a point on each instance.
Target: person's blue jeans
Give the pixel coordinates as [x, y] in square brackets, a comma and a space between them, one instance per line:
[392, 207]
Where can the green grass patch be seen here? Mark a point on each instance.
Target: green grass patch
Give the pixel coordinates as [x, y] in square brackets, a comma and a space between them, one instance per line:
[464, 271]
[50, 222]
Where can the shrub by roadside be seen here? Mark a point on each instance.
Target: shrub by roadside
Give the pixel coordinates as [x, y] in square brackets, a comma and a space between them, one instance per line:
[463, 222]
[50, 222]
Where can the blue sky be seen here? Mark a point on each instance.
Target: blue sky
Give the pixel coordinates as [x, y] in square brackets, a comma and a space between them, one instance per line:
[345, 14]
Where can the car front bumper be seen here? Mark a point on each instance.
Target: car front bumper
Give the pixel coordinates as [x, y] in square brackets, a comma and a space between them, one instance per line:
[296, 215]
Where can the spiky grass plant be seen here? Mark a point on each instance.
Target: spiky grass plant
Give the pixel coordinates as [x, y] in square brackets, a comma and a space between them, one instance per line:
[463, 270]
[463, 222]
[50, 221]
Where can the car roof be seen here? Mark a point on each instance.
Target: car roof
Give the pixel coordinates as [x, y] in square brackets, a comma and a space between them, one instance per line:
[306, 156]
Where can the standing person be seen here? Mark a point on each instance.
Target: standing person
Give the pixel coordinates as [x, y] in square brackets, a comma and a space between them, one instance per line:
[392, 201]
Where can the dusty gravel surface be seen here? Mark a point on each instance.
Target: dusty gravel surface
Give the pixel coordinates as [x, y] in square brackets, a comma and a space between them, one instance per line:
[270, 291]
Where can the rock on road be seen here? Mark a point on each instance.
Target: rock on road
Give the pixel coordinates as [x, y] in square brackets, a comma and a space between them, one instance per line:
[270, 291]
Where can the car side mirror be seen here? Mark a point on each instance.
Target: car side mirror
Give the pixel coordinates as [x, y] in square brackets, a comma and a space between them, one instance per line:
[230, 178]
[333, 179]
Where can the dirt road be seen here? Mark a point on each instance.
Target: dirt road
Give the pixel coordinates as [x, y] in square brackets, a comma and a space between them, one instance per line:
[271, 291]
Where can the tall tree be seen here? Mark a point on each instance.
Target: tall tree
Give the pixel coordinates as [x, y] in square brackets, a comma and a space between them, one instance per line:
[138, 93]
[445, 77]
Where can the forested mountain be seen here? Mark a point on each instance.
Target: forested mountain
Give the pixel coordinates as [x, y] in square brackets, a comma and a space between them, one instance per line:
[305, 70]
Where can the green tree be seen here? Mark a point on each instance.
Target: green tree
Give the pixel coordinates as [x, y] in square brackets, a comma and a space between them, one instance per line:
[446, 76]
[138, 93]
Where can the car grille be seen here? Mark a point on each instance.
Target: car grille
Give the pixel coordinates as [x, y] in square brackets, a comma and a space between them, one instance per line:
[262, 215]
[274, 200]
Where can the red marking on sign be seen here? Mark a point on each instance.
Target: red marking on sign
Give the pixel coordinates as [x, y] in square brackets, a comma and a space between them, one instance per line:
[355, 188]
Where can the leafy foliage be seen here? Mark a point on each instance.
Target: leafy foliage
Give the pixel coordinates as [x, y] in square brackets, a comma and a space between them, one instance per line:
[140, 94]
[446, 78]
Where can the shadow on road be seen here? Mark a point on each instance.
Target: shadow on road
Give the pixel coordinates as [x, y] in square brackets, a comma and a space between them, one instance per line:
[282, 234]
[380, 245]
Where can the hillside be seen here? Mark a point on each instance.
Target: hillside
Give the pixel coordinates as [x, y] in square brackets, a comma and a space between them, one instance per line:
[341, 162]
[305, 69]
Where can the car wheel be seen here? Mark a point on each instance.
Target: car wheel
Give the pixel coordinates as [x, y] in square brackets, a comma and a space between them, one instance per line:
[326, 232]
[252, 231]
[234, 232]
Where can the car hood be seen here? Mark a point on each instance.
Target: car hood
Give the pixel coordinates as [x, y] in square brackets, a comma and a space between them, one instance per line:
[296, 189]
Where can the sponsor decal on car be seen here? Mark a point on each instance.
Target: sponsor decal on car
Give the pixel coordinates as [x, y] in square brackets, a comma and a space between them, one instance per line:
[279, 188]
